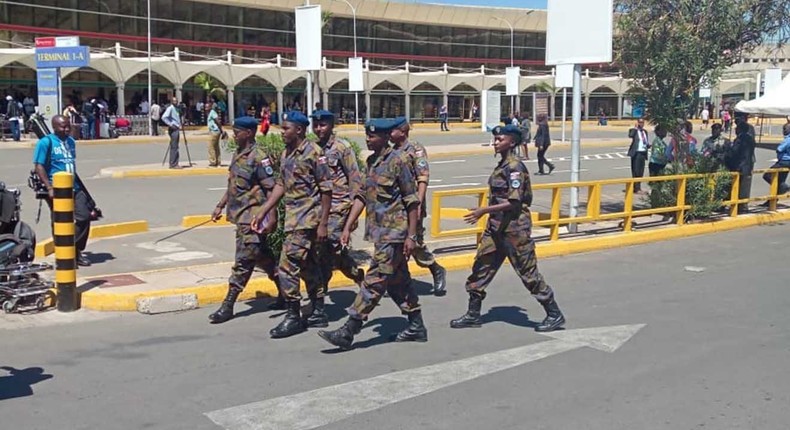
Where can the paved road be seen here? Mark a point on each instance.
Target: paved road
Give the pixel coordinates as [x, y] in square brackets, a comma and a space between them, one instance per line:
[713, 354]
[164, 201]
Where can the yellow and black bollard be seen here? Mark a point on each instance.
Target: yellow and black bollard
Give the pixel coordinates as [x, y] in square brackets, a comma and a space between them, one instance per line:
[63, 232]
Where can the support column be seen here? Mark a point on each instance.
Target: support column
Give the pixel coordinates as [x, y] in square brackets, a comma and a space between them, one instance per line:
[587, 106]
[231, 106]
[367, 106]
[325, 100]
[552, 98]
[746, 90]
[408, 106]
[121, 98]
[517, 108]
[178, 93]
[280, 106]
[619, 106]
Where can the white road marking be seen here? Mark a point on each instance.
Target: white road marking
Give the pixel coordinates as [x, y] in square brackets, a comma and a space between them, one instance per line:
[316, 408]
[448, 161]
[621, 155]
[179, 257]
[435, 180]
[217, 189]
[470, 176]
[163, 247]
[621, 168]
[568, 171]
[465, 184]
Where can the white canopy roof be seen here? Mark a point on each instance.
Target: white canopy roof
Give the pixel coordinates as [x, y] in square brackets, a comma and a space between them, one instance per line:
[776, 102]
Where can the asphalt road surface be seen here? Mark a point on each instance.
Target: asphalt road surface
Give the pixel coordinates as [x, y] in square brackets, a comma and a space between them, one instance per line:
[684, 334]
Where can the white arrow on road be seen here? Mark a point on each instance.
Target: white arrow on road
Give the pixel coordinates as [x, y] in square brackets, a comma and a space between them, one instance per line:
[326, 405]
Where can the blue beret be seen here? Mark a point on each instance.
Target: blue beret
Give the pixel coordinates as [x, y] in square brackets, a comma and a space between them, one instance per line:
[246, 122]
[399, 121]
[296, 117]
[380, 125]
[507, 129]
[322, 115]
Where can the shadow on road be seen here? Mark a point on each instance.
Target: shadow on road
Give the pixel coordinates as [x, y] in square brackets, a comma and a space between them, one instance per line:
[19, 382]
[513, 315]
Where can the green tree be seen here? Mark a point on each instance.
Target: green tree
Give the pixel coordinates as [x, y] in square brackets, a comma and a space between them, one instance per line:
[670, 47]
[209, 85]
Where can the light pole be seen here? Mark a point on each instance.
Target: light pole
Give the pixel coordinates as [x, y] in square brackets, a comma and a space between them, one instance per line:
[150, 101]
[512, 98]
[356, 93]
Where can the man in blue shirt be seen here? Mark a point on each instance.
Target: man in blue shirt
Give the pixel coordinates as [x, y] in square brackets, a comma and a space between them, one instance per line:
[172, 119]
[782, 161]
[57, 153]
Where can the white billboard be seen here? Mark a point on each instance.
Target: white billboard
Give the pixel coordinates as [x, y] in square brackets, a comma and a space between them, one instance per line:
[308, 37]
[567, 20]
[773, 78]
[355, 75]
[512, 75]
[491, 108]
[563, 76]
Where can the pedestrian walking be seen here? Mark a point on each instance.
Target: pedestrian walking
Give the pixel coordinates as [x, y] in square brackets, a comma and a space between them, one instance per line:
[638, 151]
[507, 235]
[658, 151]
[390, 199]
[443, 118]
[215, 133]
[55, 153]
[742, 161]
[417, 157]
[14, 115]
[251, 180]
[156, 114]
[306, 185]
[172, 120]
[782, 161]
[526, 132]
[346, 186]
[542, 142]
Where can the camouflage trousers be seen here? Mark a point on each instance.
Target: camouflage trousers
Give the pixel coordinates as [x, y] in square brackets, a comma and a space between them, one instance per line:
[251, 251]
[388, 272]
[331, 256]
[298, 260]
[422, 255]
[519, 248]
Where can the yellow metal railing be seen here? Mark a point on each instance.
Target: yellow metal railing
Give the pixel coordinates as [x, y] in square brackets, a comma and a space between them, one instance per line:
[593, 206]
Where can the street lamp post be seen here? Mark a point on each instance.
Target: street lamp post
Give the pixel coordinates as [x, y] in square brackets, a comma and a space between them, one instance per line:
[150, 100]
[512, 98]
[356, 93]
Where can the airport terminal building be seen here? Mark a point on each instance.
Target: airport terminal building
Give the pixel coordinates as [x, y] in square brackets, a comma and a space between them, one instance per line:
[418, 56]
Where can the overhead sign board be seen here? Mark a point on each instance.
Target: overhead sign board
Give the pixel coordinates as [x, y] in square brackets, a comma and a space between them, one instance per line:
[308, 37]
[58, 42]
[566, 18]
[51, 58]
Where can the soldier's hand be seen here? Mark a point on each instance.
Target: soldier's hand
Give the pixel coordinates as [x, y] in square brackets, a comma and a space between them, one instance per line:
[322, 232]
[345, 237]
[408, 247]
[354, 225]
[255, 224]
[217, 214]
[269, 227]
[473, 216]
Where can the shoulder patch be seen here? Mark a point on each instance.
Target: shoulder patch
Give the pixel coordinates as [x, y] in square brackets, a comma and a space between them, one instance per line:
[419, 153]
[515, 175]
[322, 160]
[422, 163]
[515, 183]
[266, 162]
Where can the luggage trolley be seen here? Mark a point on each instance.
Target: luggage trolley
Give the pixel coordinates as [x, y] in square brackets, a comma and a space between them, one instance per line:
[23, 289]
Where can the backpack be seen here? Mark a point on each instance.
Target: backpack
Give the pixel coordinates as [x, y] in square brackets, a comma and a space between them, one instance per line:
[14, 250]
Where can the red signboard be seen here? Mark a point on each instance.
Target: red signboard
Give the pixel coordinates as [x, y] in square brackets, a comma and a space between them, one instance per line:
[45, 42]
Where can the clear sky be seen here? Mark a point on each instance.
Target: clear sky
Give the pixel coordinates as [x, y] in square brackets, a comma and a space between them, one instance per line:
[528, 4]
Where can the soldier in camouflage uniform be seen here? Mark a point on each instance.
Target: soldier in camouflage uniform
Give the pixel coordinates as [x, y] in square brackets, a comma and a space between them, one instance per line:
[507, 235]
[346, 186]
[418, 163]
[306, 185]
[250, 181]
[390, 198]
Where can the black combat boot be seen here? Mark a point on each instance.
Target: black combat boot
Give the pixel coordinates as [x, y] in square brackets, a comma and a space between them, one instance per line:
[225, 311]
[416, 331]
[318, 317]
[279, 304]
[439, 281]
[292, 324]
[554, 318]
[359, 276]
[344, 336]
[472, 316]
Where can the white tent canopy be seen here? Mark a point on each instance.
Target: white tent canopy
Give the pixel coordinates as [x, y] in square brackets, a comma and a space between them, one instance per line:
[776, 102]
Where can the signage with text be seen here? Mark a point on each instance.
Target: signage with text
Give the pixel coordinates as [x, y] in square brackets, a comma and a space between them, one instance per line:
[47, 80]
[58, 42]
[50, 58]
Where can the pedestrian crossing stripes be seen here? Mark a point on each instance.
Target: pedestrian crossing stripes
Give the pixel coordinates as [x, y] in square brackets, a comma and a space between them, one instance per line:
[588, 157]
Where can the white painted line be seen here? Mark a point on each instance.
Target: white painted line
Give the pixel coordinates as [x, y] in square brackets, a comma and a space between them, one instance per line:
[323, 406]
[597, 156]
[435, 180]
[470, 176]
[621, 168]
[217, 189]
[465, 184]
[609, 156]
[568, 171]
[621, 155]
[448, 161]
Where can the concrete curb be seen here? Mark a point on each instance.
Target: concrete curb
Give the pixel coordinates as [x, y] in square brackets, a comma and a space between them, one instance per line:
[261, 287]
[47, 247]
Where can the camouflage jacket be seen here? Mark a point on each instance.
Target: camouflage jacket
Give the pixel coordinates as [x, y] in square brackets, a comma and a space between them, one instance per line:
[304, 175]
[250, 180]
[389, 190]
[346, 177]
[510, 181]
[418, 160]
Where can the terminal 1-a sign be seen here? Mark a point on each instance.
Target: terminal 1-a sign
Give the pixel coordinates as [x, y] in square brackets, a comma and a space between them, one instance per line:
[53, 53]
